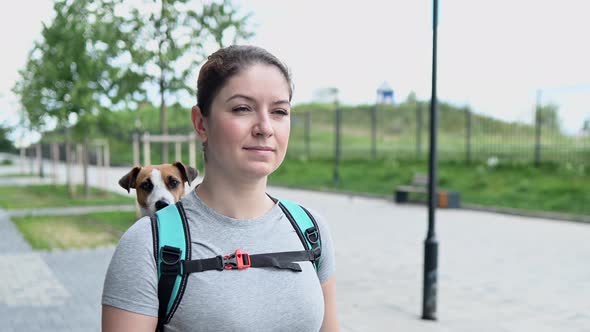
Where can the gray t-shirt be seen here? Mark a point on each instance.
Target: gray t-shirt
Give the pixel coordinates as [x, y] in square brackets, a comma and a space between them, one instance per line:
[254, 299]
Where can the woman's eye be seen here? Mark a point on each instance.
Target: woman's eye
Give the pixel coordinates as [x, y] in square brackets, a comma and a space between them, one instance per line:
[241, 109]
[280, 112]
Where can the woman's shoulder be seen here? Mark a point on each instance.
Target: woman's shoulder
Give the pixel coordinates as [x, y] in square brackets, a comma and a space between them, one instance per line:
[131, 280]
[139, 227]
[138, 235]
[327, 262]
[315, 214]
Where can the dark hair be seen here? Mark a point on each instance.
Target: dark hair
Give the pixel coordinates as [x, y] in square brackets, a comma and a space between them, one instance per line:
[227, 62]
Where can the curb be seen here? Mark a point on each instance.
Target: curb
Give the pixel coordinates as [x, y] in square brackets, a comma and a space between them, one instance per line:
[526, 213]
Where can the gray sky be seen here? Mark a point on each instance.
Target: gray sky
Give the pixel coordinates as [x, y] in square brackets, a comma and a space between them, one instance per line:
[493, 55]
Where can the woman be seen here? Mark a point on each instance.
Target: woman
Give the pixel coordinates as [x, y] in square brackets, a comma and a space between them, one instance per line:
[243, 119]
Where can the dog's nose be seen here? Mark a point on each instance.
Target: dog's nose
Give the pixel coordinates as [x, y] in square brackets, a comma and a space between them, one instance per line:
[161, 205]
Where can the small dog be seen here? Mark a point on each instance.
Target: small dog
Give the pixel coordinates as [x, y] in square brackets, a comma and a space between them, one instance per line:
[158, 186]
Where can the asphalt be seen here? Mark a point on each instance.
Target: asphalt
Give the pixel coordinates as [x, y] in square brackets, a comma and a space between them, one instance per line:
[496, 272]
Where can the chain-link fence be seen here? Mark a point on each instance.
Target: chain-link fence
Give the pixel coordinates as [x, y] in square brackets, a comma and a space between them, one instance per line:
[404, 133]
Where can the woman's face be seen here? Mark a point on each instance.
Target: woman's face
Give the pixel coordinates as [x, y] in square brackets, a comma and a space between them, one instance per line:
[247, 130]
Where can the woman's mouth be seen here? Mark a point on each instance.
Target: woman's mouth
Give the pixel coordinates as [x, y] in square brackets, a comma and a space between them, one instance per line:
[259, 148]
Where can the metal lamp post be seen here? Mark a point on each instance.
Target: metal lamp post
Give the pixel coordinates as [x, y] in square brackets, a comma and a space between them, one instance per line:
[337, 140]
[431, 243]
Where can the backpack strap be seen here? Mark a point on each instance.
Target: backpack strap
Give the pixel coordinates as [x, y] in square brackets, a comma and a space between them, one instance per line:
[306, 227]
[242, 260]
[172, 252]
[172, 241]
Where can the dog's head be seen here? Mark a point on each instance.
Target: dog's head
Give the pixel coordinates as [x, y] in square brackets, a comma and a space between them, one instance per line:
[158, 186]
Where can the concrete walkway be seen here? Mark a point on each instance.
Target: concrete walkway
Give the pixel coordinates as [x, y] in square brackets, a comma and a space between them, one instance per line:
[68, 210]
[48, 291]
[496, 272]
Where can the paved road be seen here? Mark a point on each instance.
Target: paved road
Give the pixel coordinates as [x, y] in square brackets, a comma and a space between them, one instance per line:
[496, 272]
[63, 211]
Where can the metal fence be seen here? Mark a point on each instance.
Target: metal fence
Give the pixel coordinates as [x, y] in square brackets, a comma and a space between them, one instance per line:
[402, 133]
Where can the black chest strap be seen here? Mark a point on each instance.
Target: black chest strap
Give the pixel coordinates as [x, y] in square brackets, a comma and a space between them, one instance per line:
[241, 260]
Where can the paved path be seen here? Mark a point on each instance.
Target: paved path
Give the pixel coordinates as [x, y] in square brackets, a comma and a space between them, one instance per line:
[48, 291]
[68, 210]
[496, 272]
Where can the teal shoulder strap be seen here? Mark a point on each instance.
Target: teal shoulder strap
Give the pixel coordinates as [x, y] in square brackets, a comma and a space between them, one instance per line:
[305, 225]
[172, 244]
[173, 240]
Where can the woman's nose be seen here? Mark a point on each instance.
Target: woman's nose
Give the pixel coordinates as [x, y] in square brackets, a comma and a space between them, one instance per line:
[263, 126]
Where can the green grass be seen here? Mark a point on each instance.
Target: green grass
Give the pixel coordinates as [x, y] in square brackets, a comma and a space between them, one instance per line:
[552, 188]
[42, 196]
[396, 130]
[76, 231]
[18, 175]
[451, 147]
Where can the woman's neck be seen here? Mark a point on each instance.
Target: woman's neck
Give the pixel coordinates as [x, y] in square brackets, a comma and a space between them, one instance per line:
[245, 199]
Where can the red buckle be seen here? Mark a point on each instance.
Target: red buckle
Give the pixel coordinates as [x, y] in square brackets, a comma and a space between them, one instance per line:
[238, 260]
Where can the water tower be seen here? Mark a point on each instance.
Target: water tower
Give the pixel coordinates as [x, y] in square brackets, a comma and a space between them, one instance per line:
[385, 94]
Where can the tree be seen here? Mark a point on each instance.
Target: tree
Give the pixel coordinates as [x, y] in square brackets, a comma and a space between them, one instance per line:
[549, 116]
[411, 99]
[221, 19]
[74, 69]
[173, 40]
[5, 143]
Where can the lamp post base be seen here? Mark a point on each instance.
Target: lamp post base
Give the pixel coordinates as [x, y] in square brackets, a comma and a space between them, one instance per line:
[430, 278]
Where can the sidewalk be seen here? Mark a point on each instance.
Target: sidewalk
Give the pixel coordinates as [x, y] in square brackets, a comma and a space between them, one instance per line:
[68, 210]
[496, 272]
[48, 291]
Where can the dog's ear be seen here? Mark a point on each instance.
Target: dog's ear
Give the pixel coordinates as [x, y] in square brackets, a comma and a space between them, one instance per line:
[188, 173]
[128, 181]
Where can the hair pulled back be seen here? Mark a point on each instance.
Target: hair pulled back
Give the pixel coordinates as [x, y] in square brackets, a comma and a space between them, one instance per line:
[228, 62]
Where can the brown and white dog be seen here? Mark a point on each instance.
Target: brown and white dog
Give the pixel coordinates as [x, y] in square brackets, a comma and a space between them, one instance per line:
[158, 186]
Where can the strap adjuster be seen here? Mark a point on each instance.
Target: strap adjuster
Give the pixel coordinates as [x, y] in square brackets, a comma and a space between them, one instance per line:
[170, 260]
[238, 260]
[312, 235]
[316, 252]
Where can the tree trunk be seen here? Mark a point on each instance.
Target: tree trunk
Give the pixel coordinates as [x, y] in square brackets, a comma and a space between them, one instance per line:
[39, 153]
[23, 160]
[163, 124]
[69, 182]
[54, 162]
[85, 167]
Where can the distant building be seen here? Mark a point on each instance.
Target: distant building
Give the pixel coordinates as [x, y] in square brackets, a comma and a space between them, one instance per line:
[385, 94]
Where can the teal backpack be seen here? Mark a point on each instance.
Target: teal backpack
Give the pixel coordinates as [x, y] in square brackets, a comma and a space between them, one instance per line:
[172, 253]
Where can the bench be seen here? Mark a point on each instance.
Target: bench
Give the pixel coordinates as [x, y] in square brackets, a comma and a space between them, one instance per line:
[419, 185]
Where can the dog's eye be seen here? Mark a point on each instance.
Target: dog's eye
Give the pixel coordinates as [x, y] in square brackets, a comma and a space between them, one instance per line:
[173, 183]
[147, 186]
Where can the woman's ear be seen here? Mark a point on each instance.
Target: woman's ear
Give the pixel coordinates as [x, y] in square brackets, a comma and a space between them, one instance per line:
[199, 123]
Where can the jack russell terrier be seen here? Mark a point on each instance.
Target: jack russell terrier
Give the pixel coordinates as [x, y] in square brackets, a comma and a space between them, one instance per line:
[158, 186]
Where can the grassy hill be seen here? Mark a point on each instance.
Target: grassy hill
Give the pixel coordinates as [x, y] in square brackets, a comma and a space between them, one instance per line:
[561, 184]
[401, 131]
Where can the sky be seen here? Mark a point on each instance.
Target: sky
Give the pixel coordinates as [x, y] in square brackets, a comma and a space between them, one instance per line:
[493, 56]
